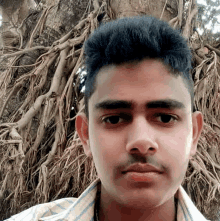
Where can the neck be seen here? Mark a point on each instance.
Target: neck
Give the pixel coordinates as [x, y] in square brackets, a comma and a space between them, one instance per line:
[112, 211]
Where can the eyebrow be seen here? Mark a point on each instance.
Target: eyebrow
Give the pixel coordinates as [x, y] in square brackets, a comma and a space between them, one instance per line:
[121, 104]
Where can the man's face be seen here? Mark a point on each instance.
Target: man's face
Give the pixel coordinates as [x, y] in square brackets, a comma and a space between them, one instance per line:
[140, 115]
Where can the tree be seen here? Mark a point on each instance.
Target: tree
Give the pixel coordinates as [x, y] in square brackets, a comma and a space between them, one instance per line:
[208, 13]
[41, 92]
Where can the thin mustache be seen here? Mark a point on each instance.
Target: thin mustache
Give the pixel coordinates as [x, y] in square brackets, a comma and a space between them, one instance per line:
[147, 162]
[142, 168]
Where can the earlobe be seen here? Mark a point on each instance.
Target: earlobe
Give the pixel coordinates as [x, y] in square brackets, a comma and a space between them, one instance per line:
[197, 122]
[82, 129]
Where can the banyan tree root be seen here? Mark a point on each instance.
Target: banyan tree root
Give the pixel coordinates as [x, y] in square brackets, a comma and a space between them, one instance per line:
[42, 158]
[54, 106]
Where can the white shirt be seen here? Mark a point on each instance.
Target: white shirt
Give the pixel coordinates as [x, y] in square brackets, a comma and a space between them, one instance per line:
[82, 208]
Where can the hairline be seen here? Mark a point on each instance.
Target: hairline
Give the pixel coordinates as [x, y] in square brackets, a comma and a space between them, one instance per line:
[175, 73]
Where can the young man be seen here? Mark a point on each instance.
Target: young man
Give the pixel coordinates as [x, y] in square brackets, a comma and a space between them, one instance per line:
[139, 127]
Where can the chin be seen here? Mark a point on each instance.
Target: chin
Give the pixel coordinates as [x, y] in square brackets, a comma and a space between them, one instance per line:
[141, 201]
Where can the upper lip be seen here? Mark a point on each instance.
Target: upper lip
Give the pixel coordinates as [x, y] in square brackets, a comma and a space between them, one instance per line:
[142, 168]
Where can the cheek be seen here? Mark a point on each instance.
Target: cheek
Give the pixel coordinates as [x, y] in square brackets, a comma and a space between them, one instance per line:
[104, 139]
[180, 142]
[175, 154]
[105, 147]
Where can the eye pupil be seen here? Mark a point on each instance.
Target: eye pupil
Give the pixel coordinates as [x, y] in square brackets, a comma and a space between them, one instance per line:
[165, 118]
[113, 119]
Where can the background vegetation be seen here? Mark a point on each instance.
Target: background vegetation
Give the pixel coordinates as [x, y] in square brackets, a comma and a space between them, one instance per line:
[41, 157]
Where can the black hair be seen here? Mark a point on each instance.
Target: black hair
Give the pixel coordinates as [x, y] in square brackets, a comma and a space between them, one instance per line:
[134, 39]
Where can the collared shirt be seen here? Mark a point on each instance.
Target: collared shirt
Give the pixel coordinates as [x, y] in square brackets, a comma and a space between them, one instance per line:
[82, 208]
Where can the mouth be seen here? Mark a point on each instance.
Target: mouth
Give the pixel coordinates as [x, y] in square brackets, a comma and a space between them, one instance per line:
[142, 168]
[142, 173]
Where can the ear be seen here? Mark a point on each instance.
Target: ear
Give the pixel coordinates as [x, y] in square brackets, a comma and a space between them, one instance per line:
[82, 128]
[197, 123]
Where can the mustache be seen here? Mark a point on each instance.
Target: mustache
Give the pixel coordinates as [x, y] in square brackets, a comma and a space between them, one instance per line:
[134, 159]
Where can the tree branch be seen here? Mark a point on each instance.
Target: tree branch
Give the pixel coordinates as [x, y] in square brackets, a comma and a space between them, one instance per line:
[96, 5]
[213, 49]
[25, 51]
[186, 31]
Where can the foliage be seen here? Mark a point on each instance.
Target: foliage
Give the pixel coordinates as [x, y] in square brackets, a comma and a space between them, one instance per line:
[208, 20]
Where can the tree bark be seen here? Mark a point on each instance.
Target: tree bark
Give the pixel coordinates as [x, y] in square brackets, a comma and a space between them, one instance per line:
[163, 9]
[13, 14]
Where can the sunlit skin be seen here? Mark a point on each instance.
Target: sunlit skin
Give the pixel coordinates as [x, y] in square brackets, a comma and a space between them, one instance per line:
[151, 123]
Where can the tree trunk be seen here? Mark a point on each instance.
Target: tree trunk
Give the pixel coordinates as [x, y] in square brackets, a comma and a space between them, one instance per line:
[13, 14]
[42, 157]
[163, 9]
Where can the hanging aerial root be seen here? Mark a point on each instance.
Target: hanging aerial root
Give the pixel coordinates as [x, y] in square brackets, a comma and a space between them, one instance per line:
[15, 89]
[191, 14]
[44, 171]
[25, 51]
[52, 92]
[39, 25]
[29, 160]
[56, 165]
[213, 49]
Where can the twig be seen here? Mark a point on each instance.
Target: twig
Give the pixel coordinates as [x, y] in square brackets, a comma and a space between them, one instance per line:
[57, 48]
[73, 118]
[27, 50]
[87, 8]
[186, 31]
[213, 49]
[47, 64]
[27, 65]
[9, 47]
[47, 61]
[180, 12]
[4, 184]
[70, 80]
[96, 5]
[163, 10]
[13, 91]
[5, 78]
[175, 25]
[64, 38]
[50, 156]
[81, 24]
[41, 20]
[173, 20]
[206, 157]
[75, 53]
[10, 141]
[197, 167]
[36, 89]
[31, 112]
[41, 129]
[53, 89]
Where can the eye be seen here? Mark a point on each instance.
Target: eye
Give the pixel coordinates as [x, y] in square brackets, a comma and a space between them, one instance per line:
[112, 119]
[166, 118]
[116, 119]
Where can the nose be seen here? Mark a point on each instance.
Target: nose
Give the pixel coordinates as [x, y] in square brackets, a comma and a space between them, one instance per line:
[141, 138]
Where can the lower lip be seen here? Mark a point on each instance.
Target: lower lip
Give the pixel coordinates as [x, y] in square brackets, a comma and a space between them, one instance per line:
[142, 177]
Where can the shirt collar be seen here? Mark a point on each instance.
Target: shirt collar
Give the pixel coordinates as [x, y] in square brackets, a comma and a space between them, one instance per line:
[83, 208]
[187, 211]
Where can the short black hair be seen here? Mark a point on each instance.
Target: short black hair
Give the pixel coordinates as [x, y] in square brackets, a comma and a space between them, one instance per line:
[134, 39]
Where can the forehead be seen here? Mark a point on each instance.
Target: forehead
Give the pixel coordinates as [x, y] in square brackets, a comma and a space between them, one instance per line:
[146, 81]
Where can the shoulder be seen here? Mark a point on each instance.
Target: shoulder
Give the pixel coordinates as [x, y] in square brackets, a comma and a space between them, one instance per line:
[186, 208]
[43, 210]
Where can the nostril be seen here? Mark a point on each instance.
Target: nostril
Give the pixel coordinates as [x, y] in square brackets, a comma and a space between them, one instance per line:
[151, 148]
[134, 149]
